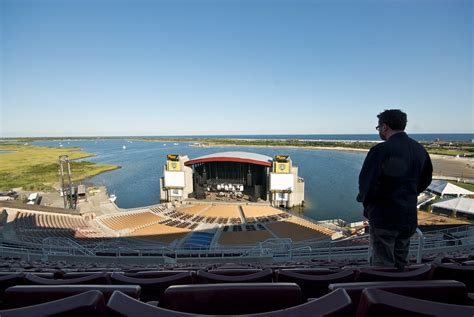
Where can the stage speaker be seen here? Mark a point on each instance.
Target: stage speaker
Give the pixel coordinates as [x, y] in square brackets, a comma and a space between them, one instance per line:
[200, 193]
[249, 179]
[257, 191]
[201, 196]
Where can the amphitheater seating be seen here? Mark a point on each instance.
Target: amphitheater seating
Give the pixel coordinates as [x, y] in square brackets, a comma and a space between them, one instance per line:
[335, 304]
[219, 288]
[36, 226]
[203, 277]
[95, 278]
[30, 220]
[153, 288]
[193, 209]
[233, 270]
[447, 291]
[9, 280]
[130, 220]
[297, 232]
[153, 274]
[314, 285]
[457, 272]
[228, 298]
[169, 226]
[74, 275]
[90, 303]
[247, 237]
[308, 224]
[229, 211]
[24, 295]
[377, 302]
[199, 240]
[340, 286]
[372, 274]
[161, 232]
[259, 211]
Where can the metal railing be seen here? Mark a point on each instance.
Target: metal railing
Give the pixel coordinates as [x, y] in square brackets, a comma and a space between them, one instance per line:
[279, 249]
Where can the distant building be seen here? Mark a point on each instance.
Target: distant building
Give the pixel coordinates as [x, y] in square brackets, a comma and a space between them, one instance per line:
[177, 181]
[456, 207]
[444, 188]
[233, 176]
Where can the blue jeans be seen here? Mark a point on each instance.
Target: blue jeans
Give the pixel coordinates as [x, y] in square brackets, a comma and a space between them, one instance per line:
[390, 247]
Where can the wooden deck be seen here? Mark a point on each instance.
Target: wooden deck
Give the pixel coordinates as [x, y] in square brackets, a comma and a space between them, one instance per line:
[230, 211]
[243, 237]
[260, 211]
[130, 220]
[297, 232]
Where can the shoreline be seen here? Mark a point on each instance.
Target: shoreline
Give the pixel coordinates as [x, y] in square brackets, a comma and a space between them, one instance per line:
[322, 148]
[443, 165]
[321, 144]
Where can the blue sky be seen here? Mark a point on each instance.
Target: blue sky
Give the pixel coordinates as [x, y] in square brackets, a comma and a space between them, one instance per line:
[84, 68]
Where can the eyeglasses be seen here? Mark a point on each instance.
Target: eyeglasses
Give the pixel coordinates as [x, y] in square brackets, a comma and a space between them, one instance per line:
[378, 127]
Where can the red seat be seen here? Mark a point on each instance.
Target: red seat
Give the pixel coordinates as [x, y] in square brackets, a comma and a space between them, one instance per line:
[315, 285]
[231, 298]
[335, 304]
[94, 278]
[153, 288]
[457, 272]
[372, 275]
[311, 271]
[258, 277]
[376, 302]
[9, 280]
[22, 295]
[441, 291]
[73, 275]
[89, 304]
[234, 272]
[153, 274]
[41, 274]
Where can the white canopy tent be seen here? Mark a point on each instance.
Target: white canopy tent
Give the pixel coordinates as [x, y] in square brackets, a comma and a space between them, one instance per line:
[444, 188]
[463, 205]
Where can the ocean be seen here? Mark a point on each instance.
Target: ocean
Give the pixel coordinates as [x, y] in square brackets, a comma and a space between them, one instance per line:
[331, 177]
[336, 137]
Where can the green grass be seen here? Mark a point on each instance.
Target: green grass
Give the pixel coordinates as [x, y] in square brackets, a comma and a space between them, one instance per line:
[462, 148]
[464, 185]
[36, 168]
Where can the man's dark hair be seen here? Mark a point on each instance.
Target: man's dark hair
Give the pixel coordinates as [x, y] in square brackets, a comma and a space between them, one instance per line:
[394, 118]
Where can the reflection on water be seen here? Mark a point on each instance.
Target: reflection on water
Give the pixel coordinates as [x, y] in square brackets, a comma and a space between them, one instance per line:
[330, 176]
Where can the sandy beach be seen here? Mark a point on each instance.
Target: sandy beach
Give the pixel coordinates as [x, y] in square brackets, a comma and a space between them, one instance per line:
[449, 166]
[443, 165]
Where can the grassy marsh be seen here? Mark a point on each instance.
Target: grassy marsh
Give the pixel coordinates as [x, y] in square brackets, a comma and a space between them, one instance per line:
[36, 168]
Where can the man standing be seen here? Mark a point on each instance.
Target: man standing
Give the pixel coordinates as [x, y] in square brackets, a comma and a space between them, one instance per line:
[394, 173]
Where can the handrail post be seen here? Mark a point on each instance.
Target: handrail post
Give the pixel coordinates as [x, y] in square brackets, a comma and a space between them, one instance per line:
[329, 254]
[369, 252]
[421, 240]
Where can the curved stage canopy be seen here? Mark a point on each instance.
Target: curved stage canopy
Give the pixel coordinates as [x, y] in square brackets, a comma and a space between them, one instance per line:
[237, 157]
[233, 176]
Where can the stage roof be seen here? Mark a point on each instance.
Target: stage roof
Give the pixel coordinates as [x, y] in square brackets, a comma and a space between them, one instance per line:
[444, 188]
[464, 205]
[239, 157]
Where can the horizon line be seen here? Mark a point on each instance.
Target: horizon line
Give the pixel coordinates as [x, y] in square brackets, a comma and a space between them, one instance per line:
[206, 135]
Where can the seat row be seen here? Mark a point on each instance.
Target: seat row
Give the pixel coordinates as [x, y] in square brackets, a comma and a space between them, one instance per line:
[42, 220]
[130, 220]
[431, 298]
[313, 282]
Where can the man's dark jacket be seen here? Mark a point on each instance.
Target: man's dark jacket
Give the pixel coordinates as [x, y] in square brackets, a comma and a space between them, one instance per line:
[394, 173]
